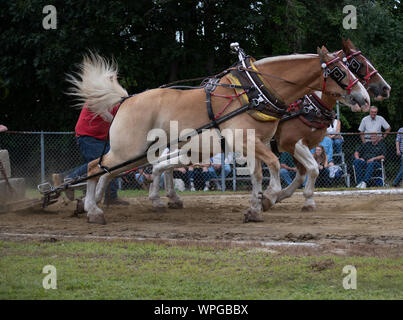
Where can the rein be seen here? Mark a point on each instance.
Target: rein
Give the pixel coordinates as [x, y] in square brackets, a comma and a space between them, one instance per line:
[263, 74]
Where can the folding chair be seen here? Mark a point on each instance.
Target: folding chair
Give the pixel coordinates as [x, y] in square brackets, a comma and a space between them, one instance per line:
[380, 177]
[343, 167]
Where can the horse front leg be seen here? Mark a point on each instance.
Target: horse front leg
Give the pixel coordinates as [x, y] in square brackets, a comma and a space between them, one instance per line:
[167, 166]
[289, 191]
[305, 157]
[271, 194]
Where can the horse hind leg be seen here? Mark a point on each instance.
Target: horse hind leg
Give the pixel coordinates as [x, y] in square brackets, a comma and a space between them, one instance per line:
[94, 213]
[298, 180]
[272, 193]
[96, 188]
[175, 201]
[153, 194]
[101, 187]
[254, 213]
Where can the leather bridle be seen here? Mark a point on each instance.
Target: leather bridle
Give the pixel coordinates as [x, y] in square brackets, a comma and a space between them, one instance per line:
[354, 65]
[337, 75]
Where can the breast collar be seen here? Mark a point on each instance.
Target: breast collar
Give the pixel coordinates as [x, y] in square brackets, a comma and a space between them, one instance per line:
[312, 111]
[262, 99]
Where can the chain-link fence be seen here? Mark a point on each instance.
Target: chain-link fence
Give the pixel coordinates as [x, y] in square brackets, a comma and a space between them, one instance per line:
[36, 155]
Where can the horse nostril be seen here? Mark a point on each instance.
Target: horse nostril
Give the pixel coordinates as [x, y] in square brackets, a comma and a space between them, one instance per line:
[385, 89]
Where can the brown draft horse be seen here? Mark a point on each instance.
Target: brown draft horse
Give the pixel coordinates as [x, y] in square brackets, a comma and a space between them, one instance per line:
[154, 108]
[297, 138]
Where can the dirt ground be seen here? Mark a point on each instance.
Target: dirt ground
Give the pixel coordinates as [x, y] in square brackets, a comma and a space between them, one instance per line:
[365, 220]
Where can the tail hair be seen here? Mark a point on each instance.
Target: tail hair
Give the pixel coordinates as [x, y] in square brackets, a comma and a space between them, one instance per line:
[95, 85]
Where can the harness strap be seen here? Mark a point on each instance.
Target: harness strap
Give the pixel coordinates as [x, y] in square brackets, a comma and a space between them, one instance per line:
[208, 90]
[311, 110]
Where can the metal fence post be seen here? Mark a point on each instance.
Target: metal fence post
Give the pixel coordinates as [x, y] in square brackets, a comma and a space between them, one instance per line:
[222, 171]
[337, 110]
[234, 173]
[42, 157]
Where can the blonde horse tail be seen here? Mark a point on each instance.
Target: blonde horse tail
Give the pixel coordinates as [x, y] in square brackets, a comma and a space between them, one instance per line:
[95, 85]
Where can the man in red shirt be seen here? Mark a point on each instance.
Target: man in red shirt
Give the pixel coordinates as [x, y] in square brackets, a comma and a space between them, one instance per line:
[92, 133]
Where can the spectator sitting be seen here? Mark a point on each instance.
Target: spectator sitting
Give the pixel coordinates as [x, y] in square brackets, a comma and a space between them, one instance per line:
[216, 163]
[333, 133]
[367, 159]
[323, 164]
[181, 173]
[205, 175]
[144, 178]
[399, 152]
[327, 144]
[287, 168]
[373, 123]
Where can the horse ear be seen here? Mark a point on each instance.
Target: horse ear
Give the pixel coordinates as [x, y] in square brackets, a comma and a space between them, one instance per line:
[350, 44]
[322, 52]
[345, 45]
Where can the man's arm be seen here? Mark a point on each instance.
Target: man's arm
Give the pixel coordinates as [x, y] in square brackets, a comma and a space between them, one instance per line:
[283, 165]
[386, 132]
[357, 155]
[361, 128]
[381, 155]
[398, 148]
[362, 137]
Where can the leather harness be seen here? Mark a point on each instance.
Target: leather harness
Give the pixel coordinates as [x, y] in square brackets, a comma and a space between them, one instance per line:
[312, 111]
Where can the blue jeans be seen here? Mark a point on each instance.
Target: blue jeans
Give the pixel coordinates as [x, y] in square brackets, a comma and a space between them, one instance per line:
[337, 143]
[287, 176]
[91, 149]
[213, 172]
[400, 174]
[364, 170]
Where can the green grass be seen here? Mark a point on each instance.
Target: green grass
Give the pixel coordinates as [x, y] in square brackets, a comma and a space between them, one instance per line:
[129, 270]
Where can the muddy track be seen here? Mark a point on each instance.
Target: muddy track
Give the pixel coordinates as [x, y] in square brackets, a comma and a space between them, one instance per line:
[375, 220]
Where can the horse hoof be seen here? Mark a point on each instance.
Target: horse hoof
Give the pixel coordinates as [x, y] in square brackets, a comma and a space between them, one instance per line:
[266, 204]
[96, 218]
[79, 208]
[251, 216]
[308, 208]
[175, 205]
[159, 209]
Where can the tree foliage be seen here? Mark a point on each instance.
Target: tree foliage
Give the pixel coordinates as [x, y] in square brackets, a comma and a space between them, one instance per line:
[158, 41]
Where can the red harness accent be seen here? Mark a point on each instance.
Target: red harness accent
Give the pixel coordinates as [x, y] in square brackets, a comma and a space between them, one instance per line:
[351, 82]
[230, 99]
[368, 74]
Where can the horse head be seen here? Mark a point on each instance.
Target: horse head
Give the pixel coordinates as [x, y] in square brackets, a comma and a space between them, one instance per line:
[377, 87]
[345, 86]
